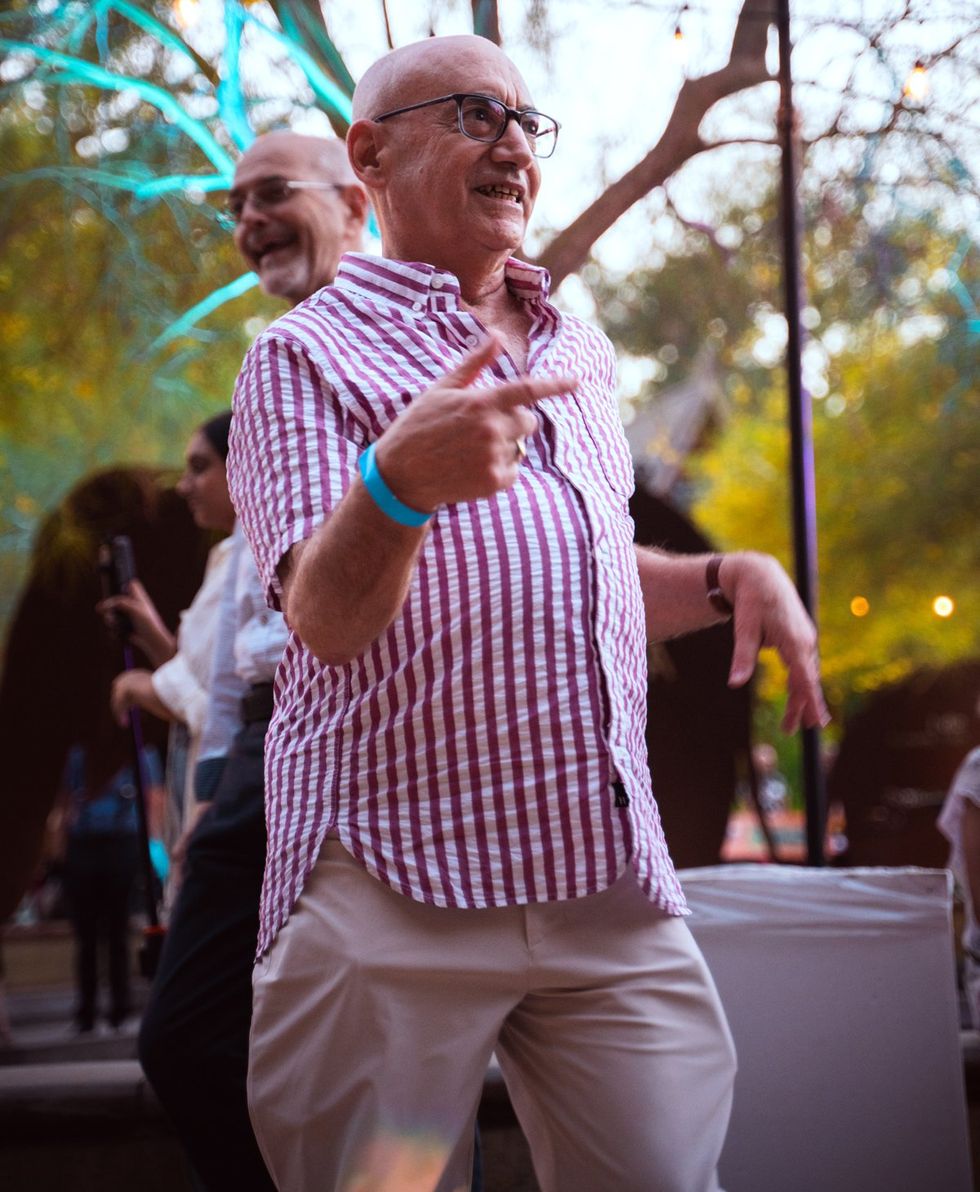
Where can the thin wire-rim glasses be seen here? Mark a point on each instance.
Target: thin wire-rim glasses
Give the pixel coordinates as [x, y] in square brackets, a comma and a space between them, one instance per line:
[270, 192]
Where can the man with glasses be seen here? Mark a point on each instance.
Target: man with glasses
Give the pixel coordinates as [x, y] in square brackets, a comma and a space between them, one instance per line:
[293, 219]
[465, 856]
[483, 118]
[296, 207]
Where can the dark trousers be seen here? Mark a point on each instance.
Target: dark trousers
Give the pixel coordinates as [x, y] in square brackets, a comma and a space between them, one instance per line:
[99, 874]
[193, 1043]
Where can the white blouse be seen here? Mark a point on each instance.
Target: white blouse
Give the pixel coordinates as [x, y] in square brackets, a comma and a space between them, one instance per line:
[182, 682]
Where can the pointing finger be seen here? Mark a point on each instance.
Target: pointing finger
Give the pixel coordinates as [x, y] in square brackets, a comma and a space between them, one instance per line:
[528, 390]
[472, 364]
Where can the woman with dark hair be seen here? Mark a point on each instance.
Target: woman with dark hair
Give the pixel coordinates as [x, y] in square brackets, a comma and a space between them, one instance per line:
[176, 690]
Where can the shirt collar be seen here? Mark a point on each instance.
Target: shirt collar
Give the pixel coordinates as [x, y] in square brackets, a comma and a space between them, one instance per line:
[420, 286]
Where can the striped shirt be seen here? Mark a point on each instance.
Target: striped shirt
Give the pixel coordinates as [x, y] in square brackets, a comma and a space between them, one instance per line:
[468, 756]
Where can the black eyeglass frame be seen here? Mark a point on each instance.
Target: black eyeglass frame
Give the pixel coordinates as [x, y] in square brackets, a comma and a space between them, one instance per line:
[457, 97]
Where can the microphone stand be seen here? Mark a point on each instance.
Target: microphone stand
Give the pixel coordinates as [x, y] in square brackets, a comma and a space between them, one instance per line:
[116, 570]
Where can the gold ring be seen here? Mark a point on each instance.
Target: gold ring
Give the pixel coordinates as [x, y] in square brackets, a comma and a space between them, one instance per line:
[520, 444]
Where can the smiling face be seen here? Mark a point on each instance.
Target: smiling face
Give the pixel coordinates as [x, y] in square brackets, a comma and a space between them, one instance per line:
[204, 486]
[440, 196]
[295, 245]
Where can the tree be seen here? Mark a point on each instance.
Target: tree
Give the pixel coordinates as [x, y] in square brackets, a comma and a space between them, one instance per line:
[119, 45]
[87, 281]
[896, 428]
[118, 123]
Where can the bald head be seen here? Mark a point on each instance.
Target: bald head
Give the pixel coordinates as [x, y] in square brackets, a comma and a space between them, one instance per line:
[321, 158]
[444, 194]
[301, 208]
[407, 75]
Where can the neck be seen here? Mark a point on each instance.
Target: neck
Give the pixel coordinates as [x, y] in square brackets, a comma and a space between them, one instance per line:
[497, 308]
[483, 290]
[480, 275]
[487, 295]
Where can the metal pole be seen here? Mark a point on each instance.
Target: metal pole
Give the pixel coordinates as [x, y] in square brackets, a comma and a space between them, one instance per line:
[116, 569]
[800, 422]
[153, 933]
[142, 810]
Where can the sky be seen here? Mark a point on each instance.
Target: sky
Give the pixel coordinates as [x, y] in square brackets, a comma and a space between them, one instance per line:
[611, 73]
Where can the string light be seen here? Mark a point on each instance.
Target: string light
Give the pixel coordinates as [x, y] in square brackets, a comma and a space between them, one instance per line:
[943, 606]
[190, 12]
[680, 42]
[186, 12]
[860, 606]
[917, 84]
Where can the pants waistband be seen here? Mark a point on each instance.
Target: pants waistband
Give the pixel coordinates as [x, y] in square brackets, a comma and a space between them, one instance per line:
[258, 703]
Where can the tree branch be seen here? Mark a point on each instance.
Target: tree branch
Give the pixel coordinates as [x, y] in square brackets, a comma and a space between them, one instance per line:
[746, 67]
[304, 21]
[388, 38]
[702, 229]
[770, 141]
[486, 20]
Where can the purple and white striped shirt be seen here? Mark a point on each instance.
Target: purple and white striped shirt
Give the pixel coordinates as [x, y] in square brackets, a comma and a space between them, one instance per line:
[467, 757]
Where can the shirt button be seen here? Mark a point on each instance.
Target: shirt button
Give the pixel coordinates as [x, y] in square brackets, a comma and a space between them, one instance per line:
[472, 341]
[437, 282]
[417, 305]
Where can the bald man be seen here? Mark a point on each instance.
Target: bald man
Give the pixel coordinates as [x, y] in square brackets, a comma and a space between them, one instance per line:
[297, 207]
[465, 856]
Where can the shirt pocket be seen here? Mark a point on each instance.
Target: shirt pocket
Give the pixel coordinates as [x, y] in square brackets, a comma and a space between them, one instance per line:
[600, 418]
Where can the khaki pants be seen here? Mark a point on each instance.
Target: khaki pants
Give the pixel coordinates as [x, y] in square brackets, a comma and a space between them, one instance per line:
[375, 1017]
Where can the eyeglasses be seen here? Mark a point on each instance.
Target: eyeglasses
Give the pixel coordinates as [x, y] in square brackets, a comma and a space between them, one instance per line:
[270, 192]
[482, 118]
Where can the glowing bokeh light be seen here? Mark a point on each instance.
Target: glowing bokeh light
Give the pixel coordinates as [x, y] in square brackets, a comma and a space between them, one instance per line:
[917, 84]
[944, 606]
[186, 12]
[73, 23]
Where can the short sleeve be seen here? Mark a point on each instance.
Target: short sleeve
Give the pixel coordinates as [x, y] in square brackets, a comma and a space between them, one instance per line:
[964, 788]
[293, 451]
[966, 784]
[177, 686]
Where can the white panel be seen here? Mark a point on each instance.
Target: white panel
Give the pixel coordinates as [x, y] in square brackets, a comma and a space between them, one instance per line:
[839, 985]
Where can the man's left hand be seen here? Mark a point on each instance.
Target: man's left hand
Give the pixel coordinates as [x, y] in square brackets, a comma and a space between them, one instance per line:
[769, 612]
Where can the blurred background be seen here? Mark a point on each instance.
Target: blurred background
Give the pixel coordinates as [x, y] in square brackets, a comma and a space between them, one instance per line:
[125, 315]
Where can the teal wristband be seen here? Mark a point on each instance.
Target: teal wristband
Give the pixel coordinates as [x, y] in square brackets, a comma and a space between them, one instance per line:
[382, 495]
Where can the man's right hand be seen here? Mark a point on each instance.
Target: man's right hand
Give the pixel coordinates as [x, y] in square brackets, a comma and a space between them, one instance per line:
[457, 442]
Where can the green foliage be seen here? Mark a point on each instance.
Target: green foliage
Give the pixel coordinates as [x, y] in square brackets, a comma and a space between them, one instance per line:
[88, 280]
[94, 270]
[892, 363]
[91, 275]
